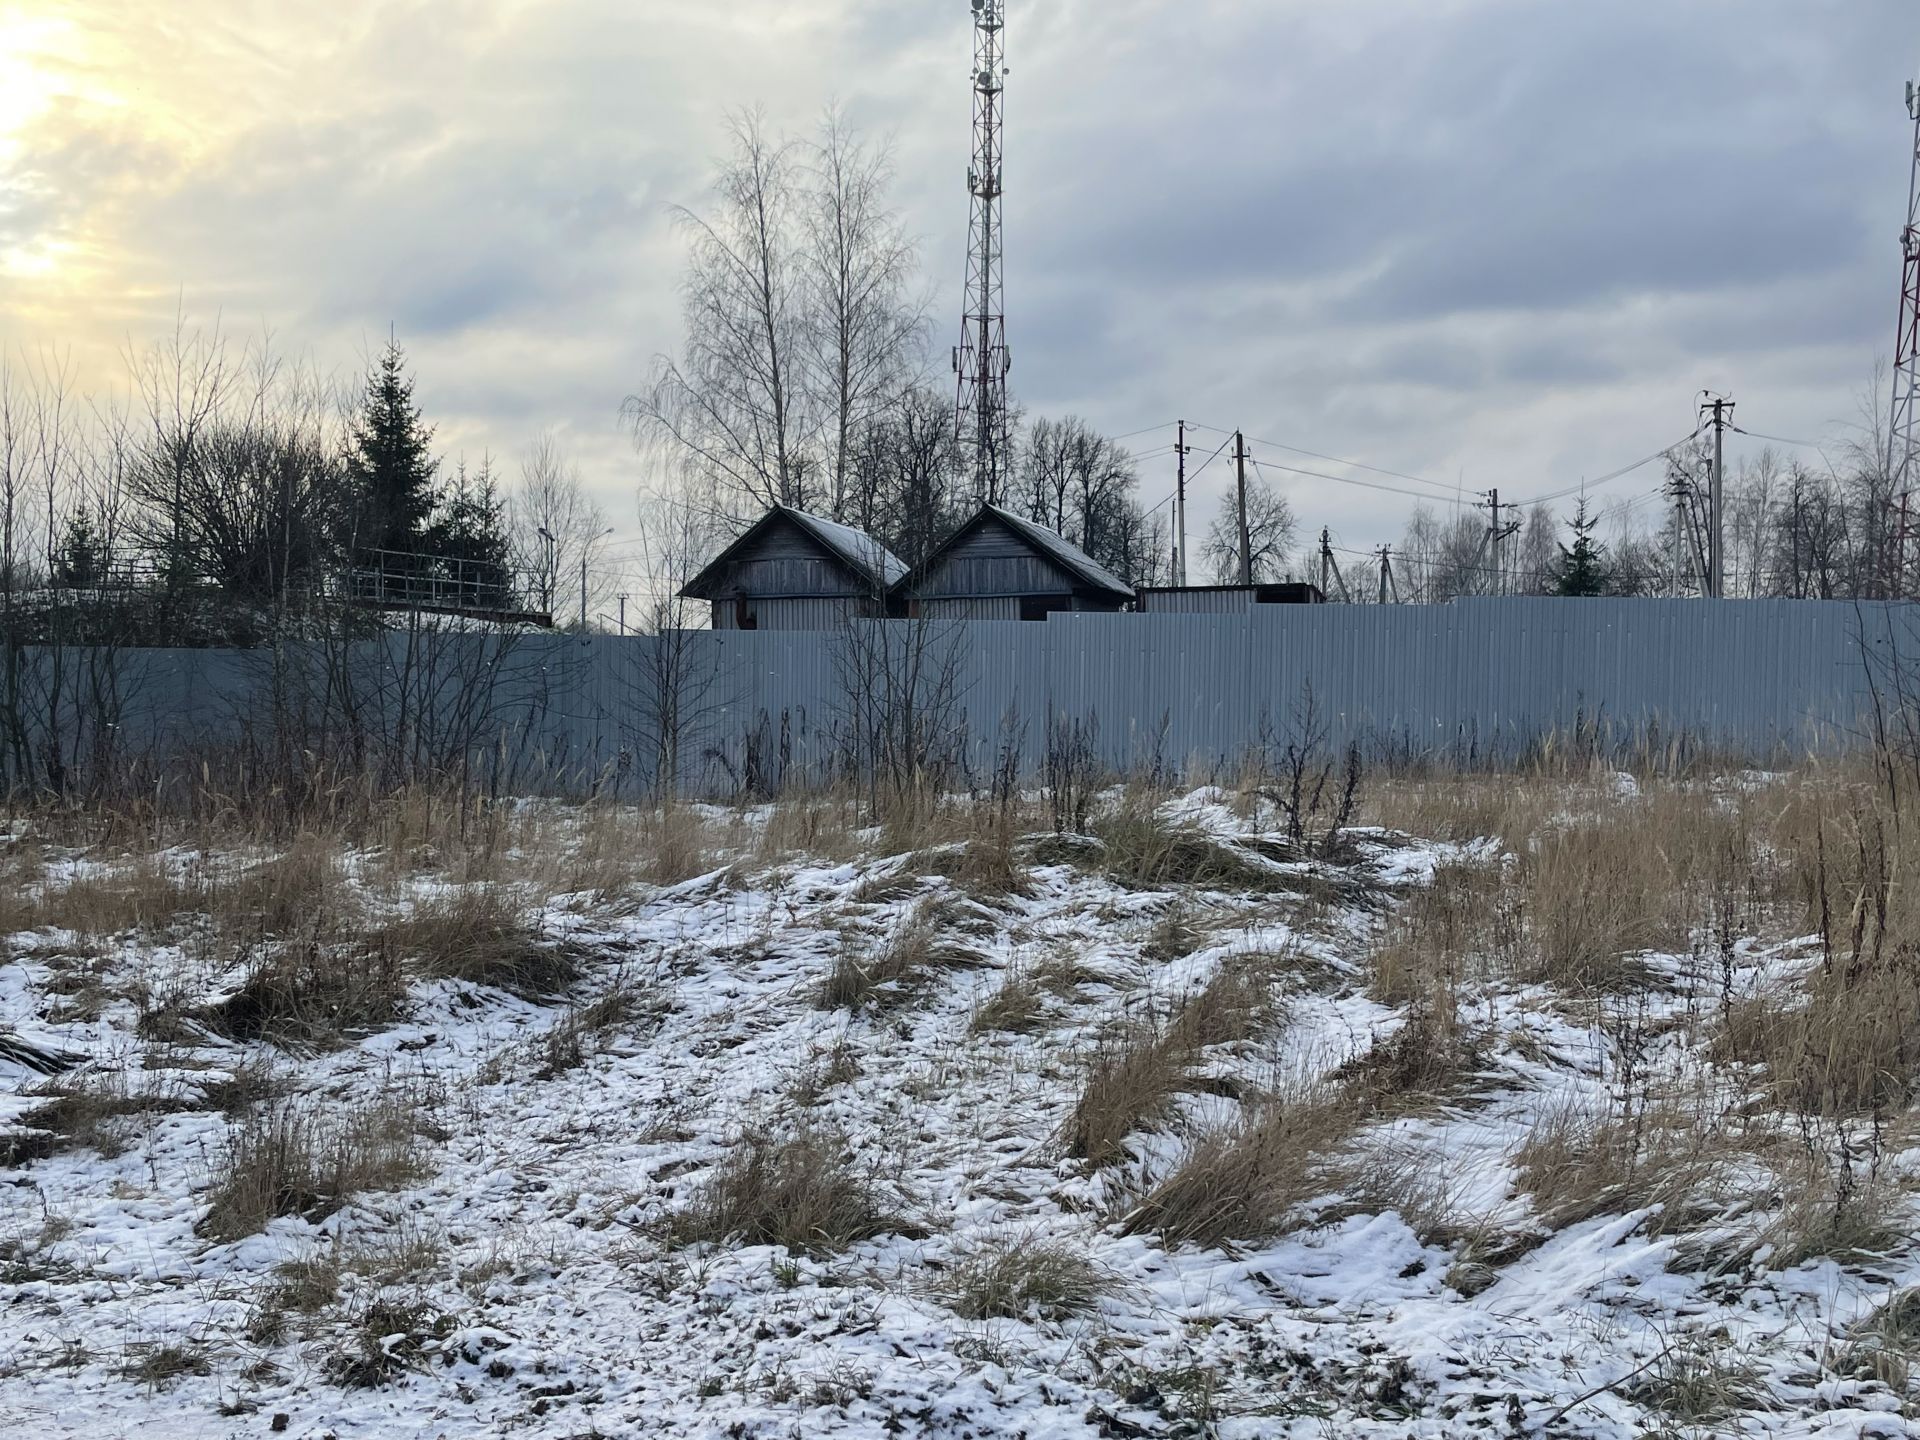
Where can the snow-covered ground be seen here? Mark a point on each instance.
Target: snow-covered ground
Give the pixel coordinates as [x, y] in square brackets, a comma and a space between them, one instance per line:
[526, 1280]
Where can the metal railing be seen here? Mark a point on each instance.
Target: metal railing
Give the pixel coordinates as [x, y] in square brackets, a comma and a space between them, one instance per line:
[405, 580]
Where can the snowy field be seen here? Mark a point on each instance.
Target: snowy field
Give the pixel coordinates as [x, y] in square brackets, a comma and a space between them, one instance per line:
[881, 1144]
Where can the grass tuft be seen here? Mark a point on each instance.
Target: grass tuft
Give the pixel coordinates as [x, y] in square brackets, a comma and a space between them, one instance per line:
[803, 1192]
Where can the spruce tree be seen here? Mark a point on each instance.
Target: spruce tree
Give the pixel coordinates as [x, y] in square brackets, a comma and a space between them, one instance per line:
[391, 465]
[77, 563]
[1582, 569]
[470, 537]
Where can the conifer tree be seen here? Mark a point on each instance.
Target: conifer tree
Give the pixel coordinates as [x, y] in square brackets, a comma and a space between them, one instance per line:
[1582, 569]
[391, 465]
[470, 537]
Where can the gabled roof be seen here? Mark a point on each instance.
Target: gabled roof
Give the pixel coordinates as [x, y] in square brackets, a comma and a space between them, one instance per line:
[870, 562]
[1087, 573]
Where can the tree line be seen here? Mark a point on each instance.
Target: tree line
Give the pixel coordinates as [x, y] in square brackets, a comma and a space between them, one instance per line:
[1791, 530]
[807, 379]
[228, 470]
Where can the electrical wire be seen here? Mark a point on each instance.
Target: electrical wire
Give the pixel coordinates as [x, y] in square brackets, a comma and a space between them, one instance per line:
[1611, 474]
[1334, 459]
[1259, 464]
[1777, 439]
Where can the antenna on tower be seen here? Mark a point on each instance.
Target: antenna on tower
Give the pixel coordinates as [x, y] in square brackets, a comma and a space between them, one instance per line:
[981, 359]
[1902, 418]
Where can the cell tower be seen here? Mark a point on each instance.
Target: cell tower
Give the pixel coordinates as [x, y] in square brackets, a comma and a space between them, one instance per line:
[1906, 343]
[981, 359]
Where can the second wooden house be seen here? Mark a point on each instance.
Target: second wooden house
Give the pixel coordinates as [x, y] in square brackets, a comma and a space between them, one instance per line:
[795, 571]
[999, 566]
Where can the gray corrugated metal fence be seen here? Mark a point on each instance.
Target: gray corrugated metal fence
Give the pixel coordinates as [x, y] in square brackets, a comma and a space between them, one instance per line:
[1477, 679]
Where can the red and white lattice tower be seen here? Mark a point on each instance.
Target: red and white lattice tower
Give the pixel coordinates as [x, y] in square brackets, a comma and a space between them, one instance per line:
[1904, 419]
[981, 359]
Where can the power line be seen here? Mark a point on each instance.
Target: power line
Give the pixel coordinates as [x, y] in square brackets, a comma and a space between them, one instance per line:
[1777, 439]
[1336, 460]
[1611, 474]
[1336, 479]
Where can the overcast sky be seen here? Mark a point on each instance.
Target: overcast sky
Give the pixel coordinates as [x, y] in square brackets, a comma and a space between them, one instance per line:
[1484, 242]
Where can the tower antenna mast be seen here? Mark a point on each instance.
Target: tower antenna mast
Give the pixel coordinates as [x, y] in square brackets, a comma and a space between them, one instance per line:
[981, 359]
[1903, 421]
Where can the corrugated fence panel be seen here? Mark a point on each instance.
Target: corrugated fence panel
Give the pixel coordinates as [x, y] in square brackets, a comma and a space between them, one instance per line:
[1478, 679]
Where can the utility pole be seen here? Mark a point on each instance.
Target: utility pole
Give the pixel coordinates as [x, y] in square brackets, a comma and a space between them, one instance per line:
[1180, 449]
[1721, 409]
[623, 612]
[1327, 562]
[1496, 536]
[1240, 501]
[1677, 489]
[1386, 575]
[583, 594]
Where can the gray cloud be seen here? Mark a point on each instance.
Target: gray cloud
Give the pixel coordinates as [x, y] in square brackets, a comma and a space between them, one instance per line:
[1490, 239]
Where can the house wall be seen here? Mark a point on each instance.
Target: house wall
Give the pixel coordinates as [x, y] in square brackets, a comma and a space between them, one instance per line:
[792, 612]
[970, 607]
[786, 562]
[993, 561]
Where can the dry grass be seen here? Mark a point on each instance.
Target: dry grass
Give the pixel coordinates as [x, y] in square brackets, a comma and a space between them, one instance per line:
[297, 1158]
[1025, 1278]
[1430, 1055]
[1140, 848]
[316, 992]
[1135, 1074]
[1575, 1165]
[159, 1364]
[481, 934]
[1018, 1007]
[891, 972]
[803, 1192]
[1242, 1183]
[1698, 1381]
[1884, 1345]
[92, 1110]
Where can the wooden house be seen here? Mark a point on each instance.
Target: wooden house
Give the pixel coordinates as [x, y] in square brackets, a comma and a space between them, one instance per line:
[795, 571]
[999, 566]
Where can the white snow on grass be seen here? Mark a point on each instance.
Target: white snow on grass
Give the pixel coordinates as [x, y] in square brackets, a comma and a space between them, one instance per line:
[525, 1282]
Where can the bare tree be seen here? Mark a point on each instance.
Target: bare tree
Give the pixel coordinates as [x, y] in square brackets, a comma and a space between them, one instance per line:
[557, 528]
[1081, 485]
[907, 479]
[676, 673]
[865, 332]
[1270, 531]
[255, 497]
[733, 412]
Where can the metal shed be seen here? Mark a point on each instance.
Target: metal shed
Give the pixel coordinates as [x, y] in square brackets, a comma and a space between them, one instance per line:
[795, 571]
[1224, 599]
[1001, 566]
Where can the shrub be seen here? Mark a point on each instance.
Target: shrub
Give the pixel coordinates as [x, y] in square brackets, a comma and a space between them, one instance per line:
[890, 973]
[482, 935]
[1241, 1183]
[802, 1192]
[1017, 1279]
[290, 1160]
